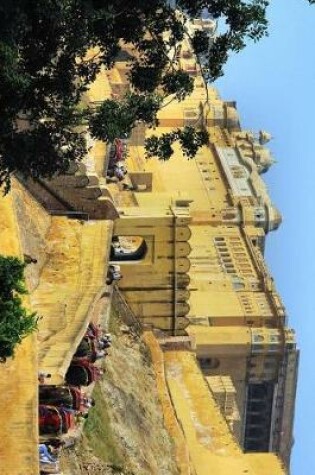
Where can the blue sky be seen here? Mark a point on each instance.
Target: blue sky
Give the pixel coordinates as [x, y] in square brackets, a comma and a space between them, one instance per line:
[273, 83]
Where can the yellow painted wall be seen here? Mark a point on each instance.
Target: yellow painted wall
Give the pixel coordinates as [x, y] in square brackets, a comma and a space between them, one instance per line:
[18, 396]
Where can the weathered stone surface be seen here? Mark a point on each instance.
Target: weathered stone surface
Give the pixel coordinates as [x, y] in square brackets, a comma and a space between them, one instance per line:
[18, 395]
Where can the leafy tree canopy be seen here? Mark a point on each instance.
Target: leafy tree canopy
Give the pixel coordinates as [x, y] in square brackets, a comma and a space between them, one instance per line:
[15, 321]
[45, 70]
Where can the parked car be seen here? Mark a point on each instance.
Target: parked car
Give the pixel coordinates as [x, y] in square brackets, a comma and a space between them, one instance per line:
[66, 396]
[54, 420]
[87, 350]
[82, 373]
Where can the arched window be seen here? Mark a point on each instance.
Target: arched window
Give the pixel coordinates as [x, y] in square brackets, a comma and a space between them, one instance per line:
[128, 248]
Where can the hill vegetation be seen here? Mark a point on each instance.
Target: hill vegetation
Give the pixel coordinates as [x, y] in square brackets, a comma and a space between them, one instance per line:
[16, 322]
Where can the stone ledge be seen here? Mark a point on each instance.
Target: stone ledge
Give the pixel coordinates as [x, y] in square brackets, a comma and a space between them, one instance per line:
[170, 420]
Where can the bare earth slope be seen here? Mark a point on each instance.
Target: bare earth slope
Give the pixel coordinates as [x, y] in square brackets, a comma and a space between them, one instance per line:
[127, 435]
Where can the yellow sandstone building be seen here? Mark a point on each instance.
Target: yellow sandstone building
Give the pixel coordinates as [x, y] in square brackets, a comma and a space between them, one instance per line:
[193, 237]
[200, 226]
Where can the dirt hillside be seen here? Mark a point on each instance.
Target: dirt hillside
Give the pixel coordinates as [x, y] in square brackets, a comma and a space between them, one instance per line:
[124, 433]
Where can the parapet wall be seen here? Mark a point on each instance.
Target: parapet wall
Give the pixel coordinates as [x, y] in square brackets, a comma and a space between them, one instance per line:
[170, 420]
[18, 395]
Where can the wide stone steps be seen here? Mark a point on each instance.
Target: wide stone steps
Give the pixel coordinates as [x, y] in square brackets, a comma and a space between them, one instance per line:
[66, 293]
[78, 193]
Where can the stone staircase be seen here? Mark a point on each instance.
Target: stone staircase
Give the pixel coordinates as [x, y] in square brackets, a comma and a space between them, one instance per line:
[71, 283]
[79, 193]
